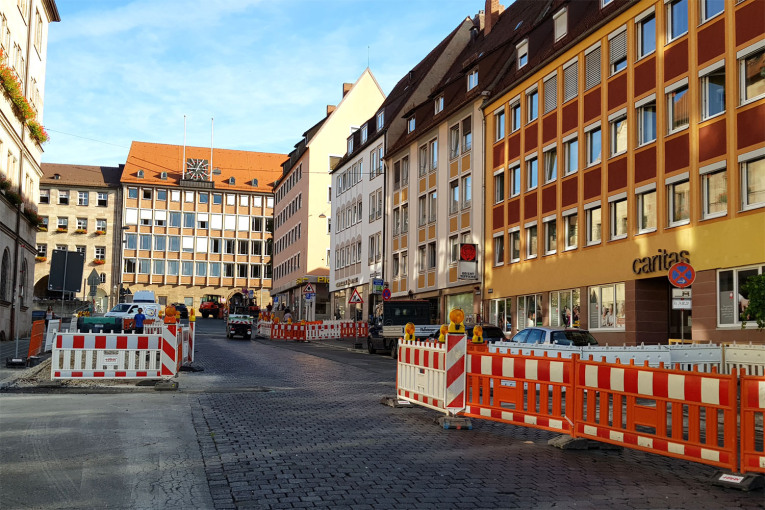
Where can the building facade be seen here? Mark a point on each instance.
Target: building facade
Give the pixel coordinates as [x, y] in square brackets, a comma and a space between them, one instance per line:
[302, 215]
[198, 222]
[635, 141]
[23, 55]
[80, 208]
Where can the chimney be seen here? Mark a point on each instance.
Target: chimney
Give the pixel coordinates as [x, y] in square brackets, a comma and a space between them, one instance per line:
[493, 10]
[330, 108]
[347, 88]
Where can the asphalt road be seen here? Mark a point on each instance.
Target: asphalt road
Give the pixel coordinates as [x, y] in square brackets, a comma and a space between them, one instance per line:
[275, 424]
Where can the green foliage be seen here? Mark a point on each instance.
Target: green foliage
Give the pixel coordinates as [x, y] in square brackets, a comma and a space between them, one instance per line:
[755, 309]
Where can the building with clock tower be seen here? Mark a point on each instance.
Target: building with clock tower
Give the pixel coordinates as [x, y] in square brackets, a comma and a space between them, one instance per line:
[197, 223]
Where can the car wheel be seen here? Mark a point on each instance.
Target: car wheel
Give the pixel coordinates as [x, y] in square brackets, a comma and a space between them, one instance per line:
[205, 314]
[370, 348]
[394, 349]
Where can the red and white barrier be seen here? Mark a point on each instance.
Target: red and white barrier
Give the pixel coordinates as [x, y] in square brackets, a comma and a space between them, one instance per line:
[456, 356]
[421, 375]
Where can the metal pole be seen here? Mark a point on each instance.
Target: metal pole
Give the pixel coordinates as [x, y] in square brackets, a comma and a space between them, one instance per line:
[682, 326]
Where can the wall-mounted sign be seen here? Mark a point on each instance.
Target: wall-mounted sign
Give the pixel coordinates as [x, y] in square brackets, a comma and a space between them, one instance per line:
[660, 262]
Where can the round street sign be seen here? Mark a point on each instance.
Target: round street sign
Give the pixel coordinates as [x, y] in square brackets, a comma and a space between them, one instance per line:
[386, 294]
[681, 275]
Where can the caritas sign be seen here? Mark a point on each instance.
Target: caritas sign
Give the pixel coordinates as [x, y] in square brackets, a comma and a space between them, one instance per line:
[467, 269]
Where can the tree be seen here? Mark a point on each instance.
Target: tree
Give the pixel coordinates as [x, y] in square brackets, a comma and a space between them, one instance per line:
[755, 309]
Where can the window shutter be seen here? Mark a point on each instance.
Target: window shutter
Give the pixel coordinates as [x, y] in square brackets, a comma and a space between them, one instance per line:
[592, 68]
[618, 47]
[551, 94]
[570, 82]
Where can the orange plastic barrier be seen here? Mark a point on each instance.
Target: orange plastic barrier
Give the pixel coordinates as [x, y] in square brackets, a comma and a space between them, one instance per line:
[752, 437]
[670, 412]
[36, 340]
[503, 387]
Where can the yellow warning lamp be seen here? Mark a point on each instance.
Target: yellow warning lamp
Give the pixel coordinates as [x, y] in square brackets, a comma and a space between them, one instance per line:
[477, 335]
[409, 331]
[192, 317]
[276, 319]
[456, 318]
[444, 329]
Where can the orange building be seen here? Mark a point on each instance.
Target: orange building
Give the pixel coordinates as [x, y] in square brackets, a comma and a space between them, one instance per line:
[198, 222]
[625, 137]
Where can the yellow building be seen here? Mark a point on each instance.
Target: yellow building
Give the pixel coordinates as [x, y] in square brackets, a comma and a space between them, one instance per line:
[198, 222]
[634, 141]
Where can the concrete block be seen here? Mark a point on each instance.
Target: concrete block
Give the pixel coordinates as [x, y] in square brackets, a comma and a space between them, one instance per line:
[394, 402]
[455, 422]
[166, 386]
[742, 482]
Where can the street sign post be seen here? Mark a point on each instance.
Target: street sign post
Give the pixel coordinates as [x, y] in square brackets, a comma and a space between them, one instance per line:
[386, 294]
[93, 278]
[681, 275]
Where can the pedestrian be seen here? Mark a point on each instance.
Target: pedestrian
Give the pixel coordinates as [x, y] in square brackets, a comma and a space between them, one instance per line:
[287, 315]
[139, 318]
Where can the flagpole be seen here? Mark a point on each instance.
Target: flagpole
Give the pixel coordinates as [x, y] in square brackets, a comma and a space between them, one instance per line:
[183, 161]
[212, 132]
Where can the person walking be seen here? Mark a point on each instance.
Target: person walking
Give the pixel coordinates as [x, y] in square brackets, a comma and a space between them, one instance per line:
[139, 318]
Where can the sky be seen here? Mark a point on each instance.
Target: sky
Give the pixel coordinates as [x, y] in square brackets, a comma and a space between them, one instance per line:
[264, 70]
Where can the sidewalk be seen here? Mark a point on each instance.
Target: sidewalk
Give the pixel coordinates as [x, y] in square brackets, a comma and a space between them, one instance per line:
[8, 350]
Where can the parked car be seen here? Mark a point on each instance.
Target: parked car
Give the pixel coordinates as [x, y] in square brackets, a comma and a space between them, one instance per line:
[491, 333]
[560, 336]
[183, 311]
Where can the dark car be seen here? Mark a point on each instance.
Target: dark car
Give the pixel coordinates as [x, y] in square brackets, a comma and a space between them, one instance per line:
[559, 336]
[183, 311]
[491, 333]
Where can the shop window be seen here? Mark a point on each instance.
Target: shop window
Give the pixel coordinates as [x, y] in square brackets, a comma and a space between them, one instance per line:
[529, 311]
[606, 307]
[501, 313]
[733, 298]
[565, 309]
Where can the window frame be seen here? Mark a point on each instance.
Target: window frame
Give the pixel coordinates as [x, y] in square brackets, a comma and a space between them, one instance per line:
[750, 52]
[551, 226]
[590, 211]
[642, 225]
[567, 224]
[614, 220]
[706, 177]
[669, 20]
[672, 185]
[745, 161]
[705, 83]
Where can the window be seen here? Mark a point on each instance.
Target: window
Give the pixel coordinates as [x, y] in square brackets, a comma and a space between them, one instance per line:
[432, 206]
[514, 244]
[711, 8]
[753, 183]
[499, 125]
[63, 223]
[396, 221]
[146, 193]
[80, 249]
[646, 120]
[551, 93]
[531, 242]
[472, 79]
[175, 219]
[617, 47]
[433, 154]
[499, 186]
[646, 35]
[467, 191]
[350, 144]
[423, 212]
[42, 250]
[241, 270]
[467, 134]
[188, 220]
[133, 193]
[423, 160]
[515, 181]
[592, 68]
[532, 173]
[713, 93]
[551, 165]
[607, 307]
[364, 133]
[101, 225]
[515, 113]
[619, 135]
[565, 309]
[175, 195]
[593, 225]
[454, 141]
[454, 249]
[172, 268]
[129, 266]
[593, 146]
[82, 197]
[571, 225]
[733, 298]
[421, 259]
[529, 312]
[160, 218]
[144, 266]
[454, 196]
[188, 197]
[380, 119]
[63, 197]
[646, 211]
[131, 241]
[571, 156]
[145, 241]
[678, 206]
[217, 199]
[159, 267]
[532, 105]
[228, 270]
[677, 19]
[204, 198]
[187, 268]
[432, 255]
[499, 249]
[82, 224]
[45, 196]
[714, 193]
[752, 76]
[410, 124]
[522, 50]
[551, 236]
[618, 218]
[561, 24]
[439, 104]
[570, 82]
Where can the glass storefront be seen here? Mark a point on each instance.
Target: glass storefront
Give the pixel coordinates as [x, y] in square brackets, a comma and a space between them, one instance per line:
[501, 313]
[464, 301]
[565, 308]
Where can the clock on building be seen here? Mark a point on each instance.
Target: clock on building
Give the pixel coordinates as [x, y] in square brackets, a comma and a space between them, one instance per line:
[197, 169]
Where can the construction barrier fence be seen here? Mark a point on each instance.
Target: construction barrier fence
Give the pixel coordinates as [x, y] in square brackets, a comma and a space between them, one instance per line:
[320, 330]
[685, 414]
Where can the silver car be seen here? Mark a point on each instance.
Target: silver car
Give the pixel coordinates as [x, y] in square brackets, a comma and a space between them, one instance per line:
[560, 336]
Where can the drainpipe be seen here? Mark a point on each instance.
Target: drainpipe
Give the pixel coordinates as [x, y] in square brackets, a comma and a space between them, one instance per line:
[483, 225]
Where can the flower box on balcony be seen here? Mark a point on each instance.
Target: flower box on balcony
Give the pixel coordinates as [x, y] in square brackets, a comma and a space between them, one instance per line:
[62, 230]
[81, 231]
[42, 229]
[41, 259]
[99, 262]
[100, 232]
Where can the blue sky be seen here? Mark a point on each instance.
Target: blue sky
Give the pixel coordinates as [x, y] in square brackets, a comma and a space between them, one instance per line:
[120, 71]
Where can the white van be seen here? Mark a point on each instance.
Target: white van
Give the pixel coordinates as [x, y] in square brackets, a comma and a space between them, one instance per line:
[128, 310]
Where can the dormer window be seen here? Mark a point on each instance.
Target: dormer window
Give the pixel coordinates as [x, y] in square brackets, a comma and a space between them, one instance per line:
[254, 182]
[410, 124]
[439, 104]
[561, 24]
[140, 174]
[350, 144]
[163, 176]
[523, 53]
[231, 181]
[380, 119]
[472, 79]
[364, 133]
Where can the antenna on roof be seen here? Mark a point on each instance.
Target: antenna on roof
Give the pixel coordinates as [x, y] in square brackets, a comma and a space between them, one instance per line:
[183, 161]
[212, 131]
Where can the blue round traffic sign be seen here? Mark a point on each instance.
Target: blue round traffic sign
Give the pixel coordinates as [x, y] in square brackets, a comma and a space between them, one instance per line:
[386, 294]
[681, 275]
